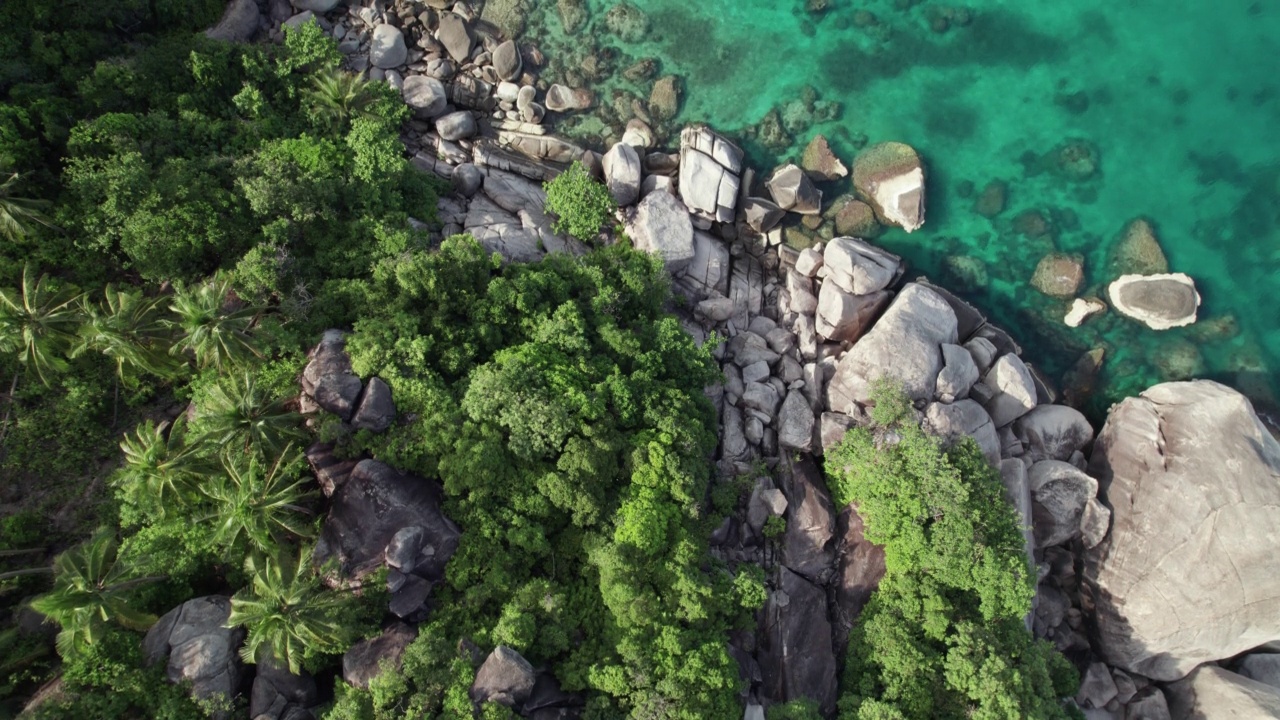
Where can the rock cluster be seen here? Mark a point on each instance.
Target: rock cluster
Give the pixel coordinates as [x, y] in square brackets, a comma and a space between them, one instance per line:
[196, 648]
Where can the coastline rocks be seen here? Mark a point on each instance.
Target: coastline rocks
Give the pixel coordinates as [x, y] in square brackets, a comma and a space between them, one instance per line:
[386, 48]
[564, 99]
[958, 375]
[903, 344]
[1053, 432]
[810, 516]
[709, 167]
[795, 423]
[197, 648]
[859, 267]
[1212, 693]
[1059, 494]
[820, 162]
[315, 6]
[456, 125]
[793, 190]
[854, 218]
[1082, 309]
[1158, 301]
[1189, 572]
[426, 95]
[1012, 390]
[622, 174]
[762, 215]
[456, 38]
[628, 22]
[661, 225]
[1058, 275]
[890, 177]
[843, 317]
[507, 61]
[964, 418]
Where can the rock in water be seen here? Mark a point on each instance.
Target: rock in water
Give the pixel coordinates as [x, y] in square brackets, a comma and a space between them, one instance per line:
[1189, 573]
[1058, 275]
[1137, 251]
[1082, 309]
[387, 49]
[1212, 693]
[820, 162]
[793, 190]
[564, 99]
[664, 99]
[1159, 301]
[904, 344]
[661, 225]
[890, 177]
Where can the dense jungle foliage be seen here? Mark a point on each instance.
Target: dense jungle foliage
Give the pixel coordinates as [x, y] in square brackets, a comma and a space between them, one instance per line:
[181, 218]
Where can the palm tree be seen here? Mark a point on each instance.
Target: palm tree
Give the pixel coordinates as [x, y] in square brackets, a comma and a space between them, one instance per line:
[256, 503]
[39, 324]
[215, 325]
[339, 96]
[287, 611]
[238, 410]
[17, 213]
[130, 329]
[161, 465]
[90, 589]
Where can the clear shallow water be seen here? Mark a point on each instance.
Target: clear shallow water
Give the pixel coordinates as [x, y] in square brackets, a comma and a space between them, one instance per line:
[1181, 105]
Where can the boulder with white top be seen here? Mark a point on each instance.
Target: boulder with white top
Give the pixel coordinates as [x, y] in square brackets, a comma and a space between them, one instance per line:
[890, 177]
[1160, 302]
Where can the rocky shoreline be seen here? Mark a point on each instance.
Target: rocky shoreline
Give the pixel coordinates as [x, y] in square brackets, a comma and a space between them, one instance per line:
[806, 332]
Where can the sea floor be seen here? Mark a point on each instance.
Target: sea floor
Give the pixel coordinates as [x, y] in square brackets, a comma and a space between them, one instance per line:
[1166, 111]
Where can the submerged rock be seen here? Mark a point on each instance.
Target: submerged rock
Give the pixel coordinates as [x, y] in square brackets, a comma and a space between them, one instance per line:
[890, 177]
[1160, 302]
[1137, 251]
[1058, 275]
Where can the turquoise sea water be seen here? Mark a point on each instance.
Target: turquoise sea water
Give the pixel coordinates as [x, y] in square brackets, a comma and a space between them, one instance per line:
[1180, 101]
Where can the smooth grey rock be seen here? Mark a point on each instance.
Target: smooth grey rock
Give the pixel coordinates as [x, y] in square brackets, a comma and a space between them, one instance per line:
[402, 551]
[715, 309]
[454, 34]
[964, 418]
[762, 215]
[747, 348]
[1262, 667]
[1148, 704]
[457, 125]
[1192, 478]
[564, 99]
[376, 410]
[1160, 302]
[709, 166]
[370, 508]
[795, 423]
[1017, 490]
[1212, 693]
[505, 678]
[467, 179]
[983, 352]
[386, 47]
[363, 661]
[808, 262]
[903, 345]
[622, 174]
[958, 374]
[762, 397]
[708, 272]
[1096, 688]
[316, 6]
[733, 441]
[832, 428]
[328, 376]
[278, 694]
[1094, 523]
[1014, 392]
[507, 61]
[796, 655]
[1059, 492]
[806, 545]
[239, 22]
[409, 598]
[661, 225]
[842, 317]
[1053, 432]
[757, 371]
[858, 266]
[426, 95]
[792, 190]
[197, 648]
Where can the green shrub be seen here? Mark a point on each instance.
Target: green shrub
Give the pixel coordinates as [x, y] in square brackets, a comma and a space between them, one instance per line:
[943, 635]
[581, 205]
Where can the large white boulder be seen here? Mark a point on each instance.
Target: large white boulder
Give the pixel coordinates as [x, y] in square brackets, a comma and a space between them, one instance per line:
[1189, 573]
[661, 225]
[1158, 301]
